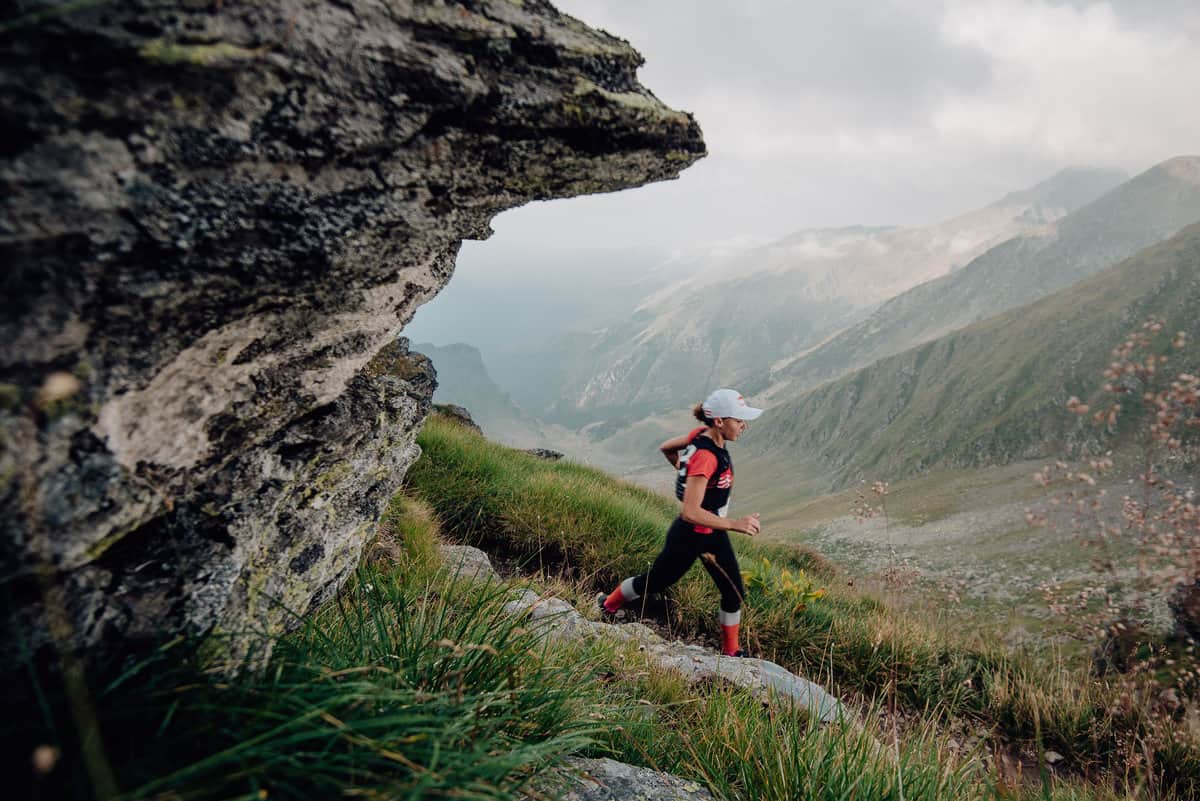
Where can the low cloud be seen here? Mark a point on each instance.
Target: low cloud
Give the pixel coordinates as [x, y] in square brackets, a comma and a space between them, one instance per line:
[890, 111]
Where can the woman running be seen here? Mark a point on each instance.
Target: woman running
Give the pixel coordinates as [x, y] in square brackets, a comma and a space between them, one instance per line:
[705, 481]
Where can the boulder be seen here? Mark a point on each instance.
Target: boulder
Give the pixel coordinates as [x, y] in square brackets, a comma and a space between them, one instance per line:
[467, 562]
[609, 780]
[215, 219]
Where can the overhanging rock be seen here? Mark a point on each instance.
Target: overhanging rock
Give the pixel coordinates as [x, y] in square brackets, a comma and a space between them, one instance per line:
[217, 218]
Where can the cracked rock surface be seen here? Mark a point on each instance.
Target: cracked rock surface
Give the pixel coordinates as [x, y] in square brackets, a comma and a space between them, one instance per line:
[218, 217]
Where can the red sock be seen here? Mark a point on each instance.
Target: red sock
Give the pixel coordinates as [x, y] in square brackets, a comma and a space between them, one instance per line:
[615, 600]
[729, 639]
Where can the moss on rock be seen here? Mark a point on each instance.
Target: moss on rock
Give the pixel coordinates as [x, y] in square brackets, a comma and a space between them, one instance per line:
[207, 55]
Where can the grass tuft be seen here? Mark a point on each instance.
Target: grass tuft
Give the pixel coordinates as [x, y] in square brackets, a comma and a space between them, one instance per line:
[582, 528]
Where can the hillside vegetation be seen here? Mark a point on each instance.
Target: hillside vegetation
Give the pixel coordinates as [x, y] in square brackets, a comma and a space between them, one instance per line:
[411, 684]
[991, 393]
[1139, 213]
[581, 531]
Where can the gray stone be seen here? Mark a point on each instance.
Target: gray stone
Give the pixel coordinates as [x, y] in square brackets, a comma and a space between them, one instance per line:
[609, 780]
[558, 617]
[766, 680]
[466, 562]
[219, 219]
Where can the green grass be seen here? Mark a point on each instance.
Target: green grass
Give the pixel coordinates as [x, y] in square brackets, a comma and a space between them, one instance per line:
[401, 688]
[412, 685]
[408, 685]
[993, 392]
[727, 740]
[587, 530]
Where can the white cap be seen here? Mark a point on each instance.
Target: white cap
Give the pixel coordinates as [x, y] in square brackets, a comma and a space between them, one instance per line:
[729, 403]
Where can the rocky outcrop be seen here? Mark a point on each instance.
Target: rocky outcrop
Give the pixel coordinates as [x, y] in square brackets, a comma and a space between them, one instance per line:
[459, 414]
[558, 619]
[764, 679]
[217, 217]
[606, 779]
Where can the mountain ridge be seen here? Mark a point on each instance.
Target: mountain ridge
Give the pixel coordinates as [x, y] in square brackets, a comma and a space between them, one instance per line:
[710, 329]
[995, 391]
[1146, 209]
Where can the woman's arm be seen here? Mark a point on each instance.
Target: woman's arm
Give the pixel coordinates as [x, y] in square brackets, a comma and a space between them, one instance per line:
[672, 447]
[693, 494]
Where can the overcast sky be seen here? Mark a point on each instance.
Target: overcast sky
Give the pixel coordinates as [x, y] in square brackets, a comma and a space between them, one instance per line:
[876, 112]
[818, 113]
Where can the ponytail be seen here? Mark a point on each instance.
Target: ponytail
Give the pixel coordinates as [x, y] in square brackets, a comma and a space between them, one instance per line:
[702, 415]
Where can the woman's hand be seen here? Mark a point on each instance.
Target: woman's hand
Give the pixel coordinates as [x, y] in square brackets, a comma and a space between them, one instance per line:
[692, 512]
[747, 525]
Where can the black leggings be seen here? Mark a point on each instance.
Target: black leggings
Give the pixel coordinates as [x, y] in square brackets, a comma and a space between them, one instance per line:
[682, 548]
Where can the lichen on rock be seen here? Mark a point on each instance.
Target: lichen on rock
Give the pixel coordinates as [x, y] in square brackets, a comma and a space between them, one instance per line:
[220, 217]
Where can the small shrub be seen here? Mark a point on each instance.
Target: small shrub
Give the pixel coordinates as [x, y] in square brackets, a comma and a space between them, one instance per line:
[1137, 612]
[793, 590]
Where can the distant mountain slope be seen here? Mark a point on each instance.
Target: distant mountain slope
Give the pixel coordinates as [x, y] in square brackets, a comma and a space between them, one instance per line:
[463, 380]
[1140, 212]
[993, 392]
[734, 315]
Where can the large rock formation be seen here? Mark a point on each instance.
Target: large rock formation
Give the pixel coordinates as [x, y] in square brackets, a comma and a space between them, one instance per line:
[217, 217]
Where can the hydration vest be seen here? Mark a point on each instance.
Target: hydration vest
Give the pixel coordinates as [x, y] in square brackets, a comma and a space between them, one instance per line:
[716, 496]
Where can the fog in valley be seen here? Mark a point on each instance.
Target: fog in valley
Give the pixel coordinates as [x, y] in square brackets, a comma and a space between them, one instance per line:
[855, 151]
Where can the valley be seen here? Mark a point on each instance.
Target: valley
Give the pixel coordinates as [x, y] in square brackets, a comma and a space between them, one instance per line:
[957, 421]
[951, 545]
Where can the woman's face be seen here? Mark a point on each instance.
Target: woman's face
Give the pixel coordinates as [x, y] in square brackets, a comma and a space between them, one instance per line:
[730, 428]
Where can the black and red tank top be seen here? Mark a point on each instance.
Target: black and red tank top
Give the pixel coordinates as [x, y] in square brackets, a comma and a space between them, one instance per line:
[703, 457]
